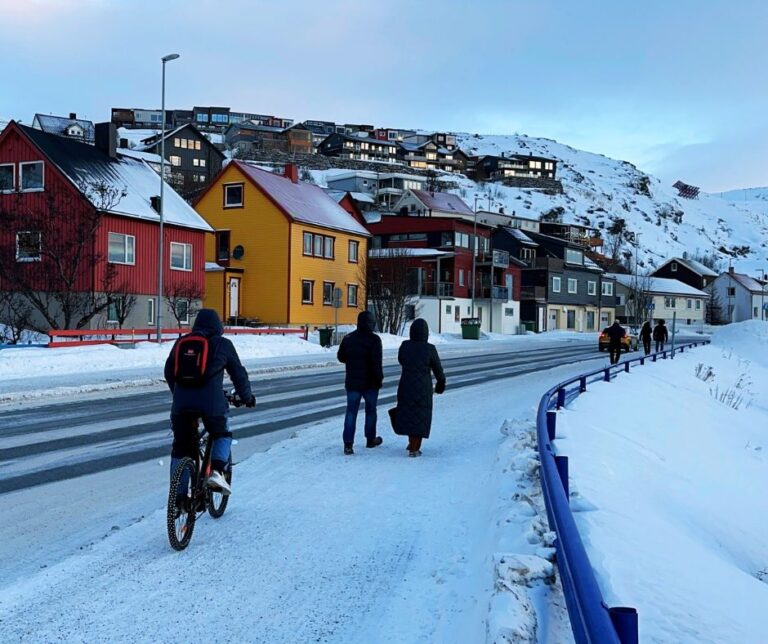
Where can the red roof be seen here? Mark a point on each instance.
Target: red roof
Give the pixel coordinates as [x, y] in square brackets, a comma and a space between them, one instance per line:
[303, 202]
[443, 201]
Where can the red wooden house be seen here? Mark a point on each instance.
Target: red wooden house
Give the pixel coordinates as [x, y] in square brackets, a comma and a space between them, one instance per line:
[79, 232]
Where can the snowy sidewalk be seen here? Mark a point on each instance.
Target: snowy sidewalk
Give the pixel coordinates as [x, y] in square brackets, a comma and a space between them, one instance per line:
[316, 546]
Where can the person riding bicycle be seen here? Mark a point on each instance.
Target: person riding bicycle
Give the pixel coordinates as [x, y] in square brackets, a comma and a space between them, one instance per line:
[208, 400]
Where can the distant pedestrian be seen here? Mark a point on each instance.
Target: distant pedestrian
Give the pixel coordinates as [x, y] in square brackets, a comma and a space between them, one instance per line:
[616, 335]
[645, 335]
[660, 335]
[360, 351]
[419, 360]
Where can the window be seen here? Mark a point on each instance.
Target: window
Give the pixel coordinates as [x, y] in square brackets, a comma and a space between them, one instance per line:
[690, 304]
[447, 309]
[352, 295]
[7, 177]
[307, 248]
[195, 162]
[150, 311]
[572, 285]
[222, 245]
[177, 142]
[456, 314]
[31, 176]
[327, 293]
[174, 160]
[353, 249]
[570, 319]
[673, 267]
[202, 118]
[670, 302]
[182, 311]
[28, 246]
[121, 249]
[202, 161]
[233, 195]
[307, 288]
[731, 291]
[590, 320]
[197, 146]
[698, 305]
[318, 245]
[607, 288]
[461, 277]
[181, 256]
[527, 254]
[112, 312]
[555, 284]
[509, 312]
[591, 288]
[183, 144]
[574, 256]
[329, 247]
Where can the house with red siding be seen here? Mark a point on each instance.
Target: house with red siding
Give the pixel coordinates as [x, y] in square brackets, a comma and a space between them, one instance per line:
[80, 232]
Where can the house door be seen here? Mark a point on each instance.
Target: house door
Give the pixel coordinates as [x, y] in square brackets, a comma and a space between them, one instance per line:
[234, 297]
[554, 320]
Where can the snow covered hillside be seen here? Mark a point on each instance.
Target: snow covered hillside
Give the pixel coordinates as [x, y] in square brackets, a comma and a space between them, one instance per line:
[599, 190]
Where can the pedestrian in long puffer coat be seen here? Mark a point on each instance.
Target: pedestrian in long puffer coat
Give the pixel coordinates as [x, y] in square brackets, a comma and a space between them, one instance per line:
[420, 361]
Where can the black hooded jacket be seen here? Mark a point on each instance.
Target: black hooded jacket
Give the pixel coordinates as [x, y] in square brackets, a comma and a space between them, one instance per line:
[419, 360]
[615, 334]
[209, 399]
[361, 352]
[660, 333]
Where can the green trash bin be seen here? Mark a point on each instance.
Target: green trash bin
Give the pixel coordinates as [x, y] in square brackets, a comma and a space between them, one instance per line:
[470, 328]
[326, 336]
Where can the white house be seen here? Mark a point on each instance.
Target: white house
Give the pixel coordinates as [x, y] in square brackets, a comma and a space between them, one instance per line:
[668, 298]
[740, 297]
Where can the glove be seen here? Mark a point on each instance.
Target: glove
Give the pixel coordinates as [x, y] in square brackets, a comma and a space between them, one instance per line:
[251, 402]
[440, 386]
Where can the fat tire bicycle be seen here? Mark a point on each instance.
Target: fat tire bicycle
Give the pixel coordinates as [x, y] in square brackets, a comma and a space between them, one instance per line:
[189, 495]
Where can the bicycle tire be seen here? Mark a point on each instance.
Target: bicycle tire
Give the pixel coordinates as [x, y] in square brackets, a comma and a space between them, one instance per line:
[181, 527]
[216, 501]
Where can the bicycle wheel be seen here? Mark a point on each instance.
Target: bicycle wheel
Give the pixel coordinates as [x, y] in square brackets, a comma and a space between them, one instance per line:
[181, 510]
[216, 501]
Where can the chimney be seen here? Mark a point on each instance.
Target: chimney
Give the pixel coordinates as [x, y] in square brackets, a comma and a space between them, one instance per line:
[154, 201]
[685, 254]
[106, 139]
[501, 210]
[291, 172]
[730, 270]
[72, 116]
[124, 144]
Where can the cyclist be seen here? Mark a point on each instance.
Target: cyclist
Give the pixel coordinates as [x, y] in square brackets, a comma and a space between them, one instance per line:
[208, 400]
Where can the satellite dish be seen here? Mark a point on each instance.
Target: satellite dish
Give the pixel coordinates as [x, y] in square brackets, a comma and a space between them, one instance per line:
[238, 252]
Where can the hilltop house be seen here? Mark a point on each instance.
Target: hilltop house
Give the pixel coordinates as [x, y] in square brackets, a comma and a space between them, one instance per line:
[385, 187]
[423, 203]
[73, 128]
[284, 252]
[660, 299]
[740, 297]
[500, 168]
[81, 233]
[358, 148]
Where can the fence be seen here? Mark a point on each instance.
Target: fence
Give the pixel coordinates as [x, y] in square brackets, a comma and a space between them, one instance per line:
[592, 621]
[81, 337]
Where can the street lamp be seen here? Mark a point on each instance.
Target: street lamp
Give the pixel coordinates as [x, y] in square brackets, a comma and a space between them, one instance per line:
[160, 244]
[474, 258]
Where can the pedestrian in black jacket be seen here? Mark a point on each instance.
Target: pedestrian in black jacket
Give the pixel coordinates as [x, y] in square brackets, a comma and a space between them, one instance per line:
[207, 401]
[419, 360]
[616, 334]
[660, 335]
[360, 351]
[645, 335]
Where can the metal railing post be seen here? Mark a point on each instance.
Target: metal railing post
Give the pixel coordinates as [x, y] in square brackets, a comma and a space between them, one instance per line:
[551, 423]
[624, 620]
[560, 398]
[582, 384]
[562, 469]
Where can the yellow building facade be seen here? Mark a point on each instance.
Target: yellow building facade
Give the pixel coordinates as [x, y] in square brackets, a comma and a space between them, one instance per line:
[283, 252]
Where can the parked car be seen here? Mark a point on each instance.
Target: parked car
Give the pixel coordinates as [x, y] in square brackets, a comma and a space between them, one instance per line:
[628, 343]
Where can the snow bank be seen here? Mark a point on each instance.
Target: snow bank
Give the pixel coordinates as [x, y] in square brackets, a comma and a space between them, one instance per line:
[664, 467]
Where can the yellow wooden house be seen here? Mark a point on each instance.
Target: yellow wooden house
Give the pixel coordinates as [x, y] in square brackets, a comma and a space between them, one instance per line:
[284, 252]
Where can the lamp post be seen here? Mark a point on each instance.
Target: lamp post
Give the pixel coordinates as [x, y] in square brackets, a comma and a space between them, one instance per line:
[160, 244]
[474, 258]
[637, 284]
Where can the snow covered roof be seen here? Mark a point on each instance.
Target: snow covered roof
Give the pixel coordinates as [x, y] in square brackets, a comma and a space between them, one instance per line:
[443, 202]
[519, 235]
[372, 217]
[302, 201]
[696, 267]
[747, 282]
[58, 125]
[86, 165]
[659, 285]
[213, 267]
[149, 157]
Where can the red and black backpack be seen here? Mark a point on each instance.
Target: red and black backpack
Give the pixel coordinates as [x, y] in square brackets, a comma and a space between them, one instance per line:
[191, 360]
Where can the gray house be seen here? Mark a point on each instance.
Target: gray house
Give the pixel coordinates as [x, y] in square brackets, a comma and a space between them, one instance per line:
[72, 128]
[740, 297]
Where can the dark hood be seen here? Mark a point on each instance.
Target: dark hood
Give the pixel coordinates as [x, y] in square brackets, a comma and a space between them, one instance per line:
[207, 323]
[366, 322]
[419, 330]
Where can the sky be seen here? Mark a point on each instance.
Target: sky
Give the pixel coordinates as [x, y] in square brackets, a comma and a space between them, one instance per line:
[674, 88]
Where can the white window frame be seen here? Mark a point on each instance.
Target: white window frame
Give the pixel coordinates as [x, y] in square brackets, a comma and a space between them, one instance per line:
[126, 244]
[556, 284]
[607, 289]
[329, 243]
[352, 290]
[307, 237]
[186, 257]
[242, 195]
[575, 283]
[673, 267]
[311, 299]
[12, 188]
[353, 256]
[39, 243]
[185, 319]
[175, 160]
[328, 302]
[698, 305]
[461, 277]
[151, 311]
[591, 288]
[21, 176]
[112, 308]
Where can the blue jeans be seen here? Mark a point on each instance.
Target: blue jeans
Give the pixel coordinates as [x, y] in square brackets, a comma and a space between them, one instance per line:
[353, 405]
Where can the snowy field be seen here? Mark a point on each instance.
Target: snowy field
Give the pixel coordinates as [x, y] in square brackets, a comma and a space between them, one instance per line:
[669, 467]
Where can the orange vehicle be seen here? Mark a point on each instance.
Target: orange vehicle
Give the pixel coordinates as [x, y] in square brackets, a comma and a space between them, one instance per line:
[628, 343]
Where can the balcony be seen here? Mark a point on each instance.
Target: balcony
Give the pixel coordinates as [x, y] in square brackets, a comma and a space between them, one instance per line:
[441, 289]
[494, 292]
[538, 293]
[549, 263]
[497, 258]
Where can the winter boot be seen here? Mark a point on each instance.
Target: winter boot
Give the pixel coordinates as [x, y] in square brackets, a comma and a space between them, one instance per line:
[374, 442]
[348, 449]
[218, 483]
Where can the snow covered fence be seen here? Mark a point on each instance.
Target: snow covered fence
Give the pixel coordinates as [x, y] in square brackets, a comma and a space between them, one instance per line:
[592, 621]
